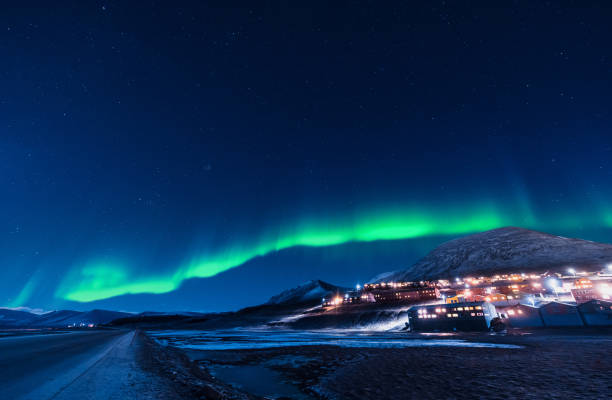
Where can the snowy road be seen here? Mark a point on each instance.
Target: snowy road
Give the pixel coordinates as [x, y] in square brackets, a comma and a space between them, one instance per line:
[79, 365]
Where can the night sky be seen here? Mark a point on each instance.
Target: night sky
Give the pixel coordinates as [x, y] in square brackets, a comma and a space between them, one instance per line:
[207, 155]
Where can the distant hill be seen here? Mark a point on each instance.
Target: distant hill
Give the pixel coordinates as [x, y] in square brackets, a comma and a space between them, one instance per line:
[309, 292]
[504, 249]
[12, 318]
[57, 319]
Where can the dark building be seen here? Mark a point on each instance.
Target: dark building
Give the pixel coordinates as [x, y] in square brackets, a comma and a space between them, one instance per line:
[473, 316]
[560, 314]
[520, 316]
[596, 313]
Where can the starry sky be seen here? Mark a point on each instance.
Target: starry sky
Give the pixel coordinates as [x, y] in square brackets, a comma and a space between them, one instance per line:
[204, 156]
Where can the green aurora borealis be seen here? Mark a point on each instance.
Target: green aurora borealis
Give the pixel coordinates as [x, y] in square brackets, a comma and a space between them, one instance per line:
[207, 159]
[99, 280]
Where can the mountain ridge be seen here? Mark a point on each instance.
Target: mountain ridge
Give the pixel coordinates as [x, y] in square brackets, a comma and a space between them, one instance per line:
[503, 249]
[307, 292]
[58, 318]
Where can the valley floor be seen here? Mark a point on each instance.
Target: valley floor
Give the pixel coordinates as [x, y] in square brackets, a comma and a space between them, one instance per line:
[547, 365]
[543, 364]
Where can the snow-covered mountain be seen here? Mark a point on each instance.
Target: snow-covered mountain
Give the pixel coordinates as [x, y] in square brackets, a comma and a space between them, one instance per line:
[54, 319]
[504, 249]
[10, 317]
[311, 291]
[96, 317]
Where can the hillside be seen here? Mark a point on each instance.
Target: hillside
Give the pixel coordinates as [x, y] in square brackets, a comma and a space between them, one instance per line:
[504, 249]
[57, 319]
[309, 292]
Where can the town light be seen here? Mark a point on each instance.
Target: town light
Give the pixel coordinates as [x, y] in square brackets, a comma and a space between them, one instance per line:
[553, 283]
[606, 291]
[337, 300]
[358, 286]
[572, 271]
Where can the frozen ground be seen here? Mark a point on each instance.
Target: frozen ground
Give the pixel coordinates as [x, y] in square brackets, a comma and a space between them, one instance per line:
[241, 339]
[555, 364]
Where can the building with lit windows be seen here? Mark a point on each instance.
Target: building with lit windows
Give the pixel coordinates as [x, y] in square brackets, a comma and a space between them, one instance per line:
[472, 316]
[520, 316]
[583, 291]
[403, 294]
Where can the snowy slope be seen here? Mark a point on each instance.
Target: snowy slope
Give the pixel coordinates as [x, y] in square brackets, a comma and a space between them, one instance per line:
[12, 318]
[310, 291]
[61, 318]
[504, 249]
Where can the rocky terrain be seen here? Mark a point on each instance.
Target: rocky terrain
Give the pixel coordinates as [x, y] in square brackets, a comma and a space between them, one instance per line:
[504, 249]
[309, 292]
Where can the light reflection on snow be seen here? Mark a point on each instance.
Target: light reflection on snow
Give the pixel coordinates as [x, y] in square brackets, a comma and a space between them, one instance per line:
[240, 339]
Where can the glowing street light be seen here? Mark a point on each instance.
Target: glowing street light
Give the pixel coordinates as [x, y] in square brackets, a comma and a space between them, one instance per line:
[554, 284]
[572, 271]
[358, 286]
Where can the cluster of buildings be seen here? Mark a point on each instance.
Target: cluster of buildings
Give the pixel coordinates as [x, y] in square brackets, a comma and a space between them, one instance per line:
[517, 299]
[479, 316]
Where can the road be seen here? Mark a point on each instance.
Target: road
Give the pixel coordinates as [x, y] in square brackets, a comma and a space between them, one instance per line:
[90, 365]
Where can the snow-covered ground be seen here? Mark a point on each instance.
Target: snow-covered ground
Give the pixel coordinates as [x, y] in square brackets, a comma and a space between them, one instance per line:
[238, 339]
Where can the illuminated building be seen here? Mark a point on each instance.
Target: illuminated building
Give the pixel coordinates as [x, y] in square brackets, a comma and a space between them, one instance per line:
[520, 316]
[472, 316]
[583, 291]
[401, 293]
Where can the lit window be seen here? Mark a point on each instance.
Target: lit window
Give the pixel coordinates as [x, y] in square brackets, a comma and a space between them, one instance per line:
[455, 315]
[449, 315]
[473, 314]
[480, 314]
[459, 308]
[520, 311]
[478, 307]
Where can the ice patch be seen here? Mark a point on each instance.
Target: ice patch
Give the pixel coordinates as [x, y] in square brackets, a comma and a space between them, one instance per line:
[243, 340]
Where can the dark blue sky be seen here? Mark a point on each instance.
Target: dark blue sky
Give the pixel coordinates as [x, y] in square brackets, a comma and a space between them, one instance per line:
[145, 147]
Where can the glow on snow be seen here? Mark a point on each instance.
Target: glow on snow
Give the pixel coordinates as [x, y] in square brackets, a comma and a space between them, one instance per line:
[98, 281]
